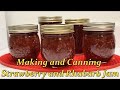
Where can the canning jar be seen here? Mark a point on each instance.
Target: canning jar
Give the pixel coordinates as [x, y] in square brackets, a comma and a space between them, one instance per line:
[49, 20]
[78, 34]
[24, 41]
[57, 43]
[99, 41]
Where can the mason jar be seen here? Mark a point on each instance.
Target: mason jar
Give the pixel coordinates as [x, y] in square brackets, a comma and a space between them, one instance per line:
[57, 43]
[78, 34]
[24, 41]
[99, 41]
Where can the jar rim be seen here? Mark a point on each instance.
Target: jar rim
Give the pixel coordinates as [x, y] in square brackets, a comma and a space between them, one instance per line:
[24, 28]
[77, 21]
[50, 19]
[99, 26]
[57, 29]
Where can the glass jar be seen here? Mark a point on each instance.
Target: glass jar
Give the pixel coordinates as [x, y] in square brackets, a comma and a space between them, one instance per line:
[24, 41]
[50, 20]
[99, 41]
[47, 20]
[57, 43]
[78, 34]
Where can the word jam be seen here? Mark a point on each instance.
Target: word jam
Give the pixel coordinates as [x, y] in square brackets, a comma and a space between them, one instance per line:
[62, 73]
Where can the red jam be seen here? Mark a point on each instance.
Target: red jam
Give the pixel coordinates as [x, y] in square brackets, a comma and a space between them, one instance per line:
[78, 32]
[99, 44]
[24, 45]
[78, 35]
[57, 47]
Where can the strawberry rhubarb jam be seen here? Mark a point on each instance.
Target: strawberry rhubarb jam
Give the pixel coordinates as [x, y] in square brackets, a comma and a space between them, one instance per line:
[24, 41]
[99, 41]
[57, 42]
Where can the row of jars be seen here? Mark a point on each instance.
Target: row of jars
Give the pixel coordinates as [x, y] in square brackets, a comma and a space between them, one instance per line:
[62, 41]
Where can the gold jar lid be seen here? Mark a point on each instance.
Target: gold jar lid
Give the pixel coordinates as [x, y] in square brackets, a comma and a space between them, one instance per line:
[57, 29]
[24, 28]
[77, 21]
[99, 26]
[50, 19]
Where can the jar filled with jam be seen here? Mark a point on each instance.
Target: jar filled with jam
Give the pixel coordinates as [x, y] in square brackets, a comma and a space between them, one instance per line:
[50, 20]
[47, 20]
[78, 34]
[99, 41]
[57, 43]
[24, 41]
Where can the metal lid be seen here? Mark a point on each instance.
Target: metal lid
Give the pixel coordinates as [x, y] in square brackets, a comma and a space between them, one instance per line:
[24, 28]
[57, 29]
[50, 19]
[100, 26]
[77, 21]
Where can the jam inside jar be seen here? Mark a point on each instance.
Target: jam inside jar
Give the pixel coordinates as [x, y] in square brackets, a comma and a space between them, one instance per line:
[78, 32]
[57, 43]
[99, 41]
[24, 41]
